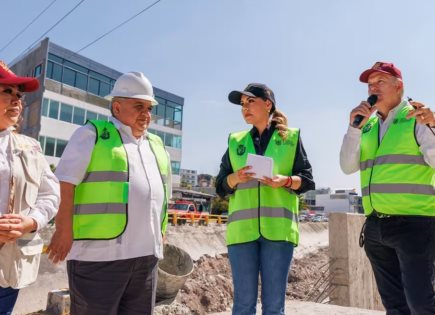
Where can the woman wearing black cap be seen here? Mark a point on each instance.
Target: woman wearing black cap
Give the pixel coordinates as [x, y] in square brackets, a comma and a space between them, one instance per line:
[263, 213]
[29, 193]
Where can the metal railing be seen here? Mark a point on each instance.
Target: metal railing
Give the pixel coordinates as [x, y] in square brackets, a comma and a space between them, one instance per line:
[203, 219]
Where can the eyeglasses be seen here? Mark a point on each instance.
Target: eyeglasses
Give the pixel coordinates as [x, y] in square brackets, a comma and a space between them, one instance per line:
[11, 93]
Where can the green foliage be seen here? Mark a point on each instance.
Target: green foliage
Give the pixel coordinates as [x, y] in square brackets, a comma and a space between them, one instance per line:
[219, 205]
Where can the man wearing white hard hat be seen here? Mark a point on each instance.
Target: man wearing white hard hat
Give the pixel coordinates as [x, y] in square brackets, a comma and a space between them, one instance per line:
[115, 186]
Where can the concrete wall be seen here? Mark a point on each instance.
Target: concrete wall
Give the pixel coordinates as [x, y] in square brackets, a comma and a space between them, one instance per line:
[352, 280]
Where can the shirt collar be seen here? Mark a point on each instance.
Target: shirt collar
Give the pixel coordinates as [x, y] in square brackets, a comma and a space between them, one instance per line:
[127, 130]
[269, 130]
[393, 112]
[7, 131]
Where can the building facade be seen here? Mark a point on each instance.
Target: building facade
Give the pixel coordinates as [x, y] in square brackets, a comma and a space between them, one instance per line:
[188, 177]
[334, 200]
[72, 91]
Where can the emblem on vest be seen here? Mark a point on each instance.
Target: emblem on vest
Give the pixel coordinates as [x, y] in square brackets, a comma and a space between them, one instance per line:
[284, 142]
[367, 128]
[241, 149]
[105, 134]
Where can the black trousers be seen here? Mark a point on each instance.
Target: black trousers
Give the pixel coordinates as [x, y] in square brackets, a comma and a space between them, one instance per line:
[401, 251]
[120, 287]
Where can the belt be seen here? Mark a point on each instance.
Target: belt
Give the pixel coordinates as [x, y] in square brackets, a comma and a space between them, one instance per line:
[379, 215]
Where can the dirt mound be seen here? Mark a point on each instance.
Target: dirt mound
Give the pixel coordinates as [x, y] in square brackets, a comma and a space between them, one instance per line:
[209, 288]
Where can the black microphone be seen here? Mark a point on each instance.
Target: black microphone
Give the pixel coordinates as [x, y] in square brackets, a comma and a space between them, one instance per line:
[372, 99]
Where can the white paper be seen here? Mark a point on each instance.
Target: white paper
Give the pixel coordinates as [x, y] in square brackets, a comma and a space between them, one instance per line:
[261, 165]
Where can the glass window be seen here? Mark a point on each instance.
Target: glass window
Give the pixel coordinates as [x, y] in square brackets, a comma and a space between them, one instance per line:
[44, 110]
[160, 100]
[160, 110]
[94, 85]
[176, 142]
[100, 76]
[175, 167]
[91, 115]
[60, 146]
[37, 71]
[66, 112]
[69, 76]
[169, 113]
[79, 116]
[55, 58]
[75, 66]
[49, 69]
[57, 72]
[81, 81]
[102, 117]
[168, 140]
[49, 146]
[178, 115]
[42, 142]
[104, 89]
[54, 109]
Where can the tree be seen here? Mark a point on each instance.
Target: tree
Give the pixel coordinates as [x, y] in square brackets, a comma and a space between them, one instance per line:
[219, 205]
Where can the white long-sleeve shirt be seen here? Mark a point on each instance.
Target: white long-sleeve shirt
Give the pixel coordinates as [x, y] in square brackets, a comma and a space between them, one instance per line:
[48, 198]
[350, 149]
[142, 236]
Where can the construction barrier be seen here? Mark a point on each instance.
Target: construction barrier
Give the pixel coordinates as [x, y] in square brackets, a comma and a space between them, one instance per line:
[191, 219]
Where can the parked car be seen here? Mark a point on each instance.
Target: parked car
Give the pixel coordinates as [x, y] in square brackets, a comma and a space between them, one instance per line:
[185, 210]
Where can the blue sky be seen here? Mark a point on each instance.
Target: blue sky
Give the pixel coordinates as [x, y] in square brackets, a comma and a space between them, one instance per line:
[309, 52]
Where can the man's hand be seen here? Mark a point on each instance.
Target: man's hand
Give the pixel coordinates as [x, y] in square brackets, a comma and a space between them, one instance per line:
[423, 114]
[60, 245]
[62, 239]
[364, 109]
[14, 226]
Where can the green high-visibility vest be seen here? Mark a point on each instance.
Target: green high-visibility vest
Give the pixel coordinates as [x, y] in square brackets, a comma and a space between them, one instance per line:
[259, 210]
[395, 179]
[101, 199]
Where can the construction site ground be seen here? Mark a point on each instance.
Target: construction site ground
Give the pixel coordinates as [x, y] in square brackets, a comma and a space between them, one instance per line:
[208, 290]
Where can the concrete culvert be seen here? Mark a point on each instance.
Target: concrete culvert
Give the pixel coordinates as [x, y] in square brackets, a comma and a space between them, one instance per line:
[173, 271]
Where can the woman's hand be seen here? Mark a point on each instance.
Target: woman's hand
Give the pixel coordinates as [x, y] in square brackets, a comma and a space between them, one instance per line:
[241, 176]
[14, 226]
[276, 181]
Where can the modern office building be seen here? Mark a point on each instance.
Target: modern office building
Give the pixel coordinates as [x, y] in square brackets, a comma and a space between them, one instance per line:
[334, 200]
[188, 177]
[72, 91]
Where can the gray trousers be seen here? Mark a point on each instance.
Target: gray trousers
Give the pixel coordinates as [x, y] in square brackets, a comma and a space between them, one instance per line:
[120, 287]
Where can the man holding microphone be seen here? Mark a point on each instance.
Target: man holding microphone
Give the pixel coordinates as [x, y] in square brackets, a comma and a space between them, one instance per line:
[394, 150]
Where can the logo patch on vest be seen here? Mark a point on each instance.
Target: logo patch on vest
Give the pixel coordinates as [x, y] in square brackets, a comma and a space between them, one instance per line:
[241, 149]
[105, 134]
[367, 128]
[283, 142]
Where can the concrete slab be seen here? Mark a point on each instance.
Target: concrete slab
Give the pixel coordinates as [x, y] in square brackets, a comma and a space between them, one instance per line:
[311, 308]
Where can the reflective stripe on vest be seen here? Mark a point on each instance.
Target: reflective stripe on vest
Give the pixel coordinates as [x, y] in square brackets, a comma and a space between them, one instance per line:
[256, 209]
[395, 179]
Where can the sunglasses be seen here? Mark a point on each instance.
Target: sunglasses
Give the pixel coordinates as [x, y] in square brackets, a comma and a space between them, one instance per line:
[11, 93]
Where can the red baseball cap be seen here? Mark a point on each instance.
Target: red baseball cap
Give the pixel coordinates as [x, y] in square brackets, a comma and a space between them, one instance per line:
[383, 67]
[25, 84]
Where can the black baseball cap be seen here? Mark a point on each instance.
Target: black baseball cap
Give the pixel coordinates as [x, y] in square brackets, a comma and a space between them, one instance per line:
[253, 90]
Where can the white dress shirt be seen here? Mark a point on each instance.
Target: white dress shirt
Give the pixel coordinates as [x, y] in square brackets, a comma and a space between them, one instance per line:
[350, 149]
[143, 235]
[47, 201]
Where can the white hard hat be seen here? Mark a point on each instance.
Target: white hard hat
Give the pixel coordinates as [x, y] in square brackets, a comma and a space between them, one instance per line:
[133, 85]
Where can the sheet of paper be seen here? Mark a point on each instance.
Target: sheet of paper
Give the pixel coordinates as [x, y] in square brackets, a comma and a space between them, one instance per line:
[261, 165]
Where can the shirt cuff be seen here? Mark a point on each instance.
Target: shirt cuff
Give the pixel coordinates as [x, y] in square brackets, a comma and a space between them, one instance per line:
[227, 187]
[353, 132]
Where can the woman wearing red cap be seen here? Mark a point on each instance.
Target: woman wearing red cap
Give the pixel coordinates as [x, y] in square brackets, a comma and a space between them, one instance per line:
[263, 213]
[29, 193]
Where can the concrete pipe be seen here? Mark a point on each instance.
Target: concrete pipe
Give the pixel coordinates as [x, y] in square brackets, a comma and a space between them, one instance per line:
[173, 271]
